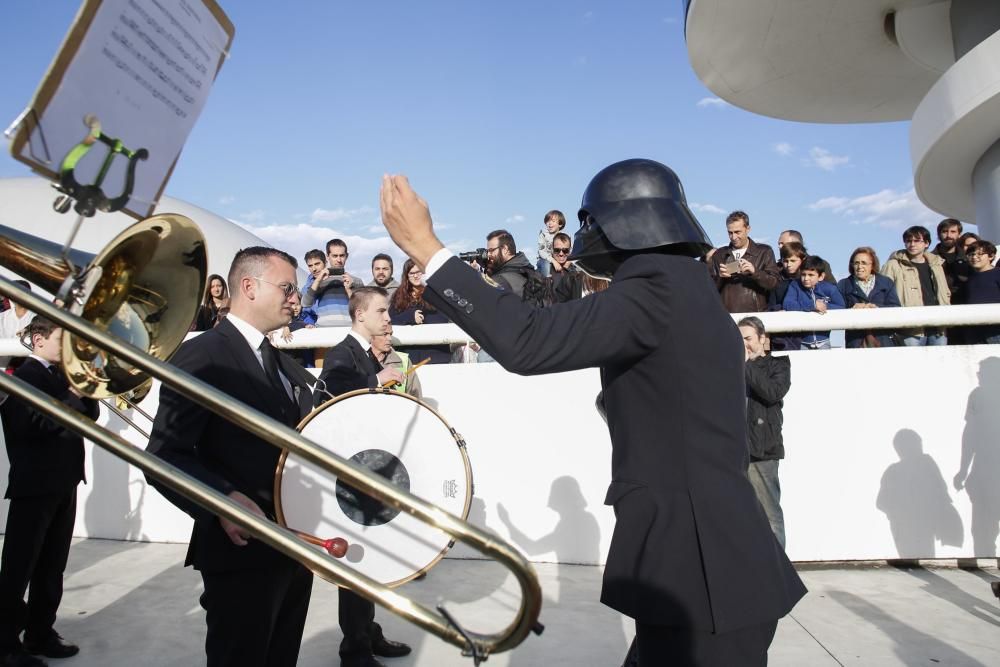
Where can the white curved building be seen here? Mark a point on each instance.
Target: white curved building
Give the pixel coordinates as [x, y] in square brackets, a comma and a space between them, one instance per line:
[936, 62]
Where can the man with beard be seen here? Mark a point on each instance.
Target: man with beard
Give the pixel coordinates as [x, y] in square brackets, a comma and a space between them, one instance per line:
[956, 264]
[382, 274]
[504, 264]
[692, 559]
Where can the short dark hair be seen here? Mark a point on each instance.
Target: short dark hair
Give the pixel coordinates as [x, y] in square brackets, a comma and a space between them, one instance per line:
[335, 243]
[505, 240]
[917, 230]
[252, 261]
[793, 249]
[794, 233]
[813, 263]
[315, 253]
[737, 216]
[361, 297]
[754, 322]
[558, 215]
[863, 250]
[983, 246]
[948, 223]
[966, 236]
[384, 256]
[41, 326]
[563, 236]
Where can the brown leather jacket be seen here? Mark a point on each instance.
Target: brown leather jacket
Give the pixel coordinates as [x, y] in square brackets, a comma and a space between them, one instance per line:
[744, 293]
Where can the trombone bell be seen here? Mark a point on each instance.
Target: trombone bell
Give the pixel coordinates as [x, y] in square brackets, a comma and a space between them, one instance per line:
[144, 288]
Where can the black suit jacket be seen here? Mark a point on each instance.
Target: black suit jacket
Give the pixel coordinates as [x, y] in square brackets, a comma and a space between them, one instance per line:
[218, 452]
[692, 547]
[45, 457]
[347, 367]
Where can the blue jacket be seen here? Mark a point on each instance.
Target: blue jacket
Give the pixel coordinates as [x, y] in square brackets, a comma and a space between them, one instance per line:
[799, 298]
[883, 295]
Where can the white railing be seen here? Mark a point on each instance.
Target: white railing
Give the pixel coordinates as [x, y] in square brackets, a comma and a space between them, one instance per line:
[774, 322]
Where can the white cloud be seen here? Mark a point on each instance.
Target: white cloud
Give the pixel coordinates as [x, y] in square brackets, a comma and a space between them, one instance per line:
[825, 160]
[255, 215]
[716, 102]
[706, 208]
[339, 214]
[514, 219]
[783, 148]
[226, 200]
[885, 208]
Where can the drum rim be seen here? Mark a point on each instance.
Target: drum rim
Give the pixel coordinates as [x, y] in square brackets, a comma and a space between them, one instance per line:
[459, 442]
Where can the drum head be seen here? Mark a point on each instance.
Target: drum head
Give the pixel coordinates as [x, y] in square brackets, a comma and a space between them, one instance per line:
[400, 438]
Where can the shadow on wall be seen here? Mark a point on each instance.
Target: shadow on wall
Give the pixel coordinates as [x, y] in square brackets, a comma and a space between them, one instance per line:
[979, 470]
[915, 499]
[576, 532]
[108, 512]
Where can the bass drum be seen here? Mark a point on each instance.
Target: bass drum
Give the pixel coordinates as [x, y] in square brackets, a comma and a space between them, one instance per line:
[402, 439]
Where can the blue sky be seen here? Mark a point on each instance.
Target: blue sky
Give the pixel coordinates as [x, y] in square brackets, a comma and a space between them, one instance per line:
[498, 112]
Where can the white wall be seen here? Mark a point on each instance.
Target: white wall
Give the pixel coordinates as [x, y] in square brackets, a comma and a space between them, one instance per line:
[538, 447]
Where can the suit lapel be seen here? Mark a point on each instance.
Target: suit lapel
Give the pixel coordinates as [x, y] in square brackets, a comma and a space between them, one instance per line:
[361, 360]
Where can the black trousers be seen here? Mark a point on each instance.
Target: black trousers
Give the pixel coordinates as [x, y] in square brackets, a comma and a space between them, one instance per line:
[682, 647]
[35, 551]
[256, 617]
[357, 622]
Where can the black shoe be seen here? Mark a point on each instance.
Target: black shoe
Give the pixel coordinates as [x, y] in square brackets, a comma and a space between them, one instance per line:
[387, 648]
[19, 658]
[52, 646]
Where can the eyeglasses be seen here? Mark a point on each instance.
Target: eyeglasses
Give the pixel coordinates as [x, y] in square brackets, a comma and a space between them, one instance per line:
[288, 289]
[914, 239]
[415, 273]
[492, 250]
[560, 251]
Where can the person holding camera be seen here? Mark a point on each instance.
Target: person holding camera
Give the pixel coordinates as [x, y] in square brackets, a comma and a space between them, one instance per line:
[328, 289]
[744, 271]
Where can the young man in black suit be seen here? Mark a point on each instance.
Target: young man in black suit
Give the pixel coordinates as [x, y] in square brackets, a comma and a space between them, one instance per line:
[692, 559]
[256, 598]
[46, 465]
[350, 365]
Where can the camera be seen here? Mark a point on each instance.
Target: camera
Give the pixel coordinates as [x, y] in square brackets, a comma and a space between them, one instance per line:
[477, 255]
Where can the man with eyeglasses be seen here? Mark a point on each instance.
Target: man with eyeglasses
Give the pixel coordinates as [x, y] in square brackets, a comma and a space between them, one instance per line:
[255, 598]
[920, 281]
[983, 286]
[504, 264]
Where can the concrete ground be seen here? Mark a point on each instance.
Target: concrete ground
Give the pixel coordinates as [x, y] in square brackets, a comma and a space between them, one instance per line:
[134, 604]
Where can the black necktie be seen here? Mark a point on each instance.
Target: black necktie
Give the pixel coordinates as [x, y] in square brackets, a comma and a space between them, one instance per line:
[375, 361]
[270, 358]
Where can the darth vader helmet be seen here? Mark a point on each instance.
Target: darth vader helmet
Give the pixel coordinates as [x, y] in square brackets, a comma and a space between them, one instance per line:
[632, 206]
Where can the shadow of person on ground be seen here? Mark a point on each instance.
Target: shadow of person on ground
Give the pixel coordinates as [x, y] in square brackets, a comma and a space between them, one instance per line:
[944, 589]
[914, 497]
[918, 648]
[979, 470]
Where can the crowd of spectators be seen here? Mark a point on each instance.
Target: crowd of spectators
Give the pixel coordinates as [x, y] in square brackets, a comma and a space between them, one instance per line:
[960, 269]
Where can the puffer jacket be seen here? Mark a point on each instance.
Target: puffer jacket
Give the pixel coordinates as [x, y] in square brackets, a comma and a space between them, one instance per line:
[768, 379]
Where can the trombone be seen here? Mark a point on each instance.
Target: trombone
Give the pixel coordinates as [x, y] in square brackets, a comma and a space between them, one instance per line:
[134, 365]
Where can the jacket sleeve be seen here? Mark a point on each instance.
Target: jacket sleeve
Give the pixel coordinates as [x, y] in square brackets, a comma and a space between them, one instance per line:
[891, 298]
[836, 298]
[179, 426]
[768, 273]
[769, 382]
[620, 324]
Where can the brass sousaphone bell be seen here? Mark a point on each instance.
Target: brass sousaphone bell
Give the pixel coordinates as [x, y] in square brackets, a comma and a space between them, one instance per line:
[144, 288]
